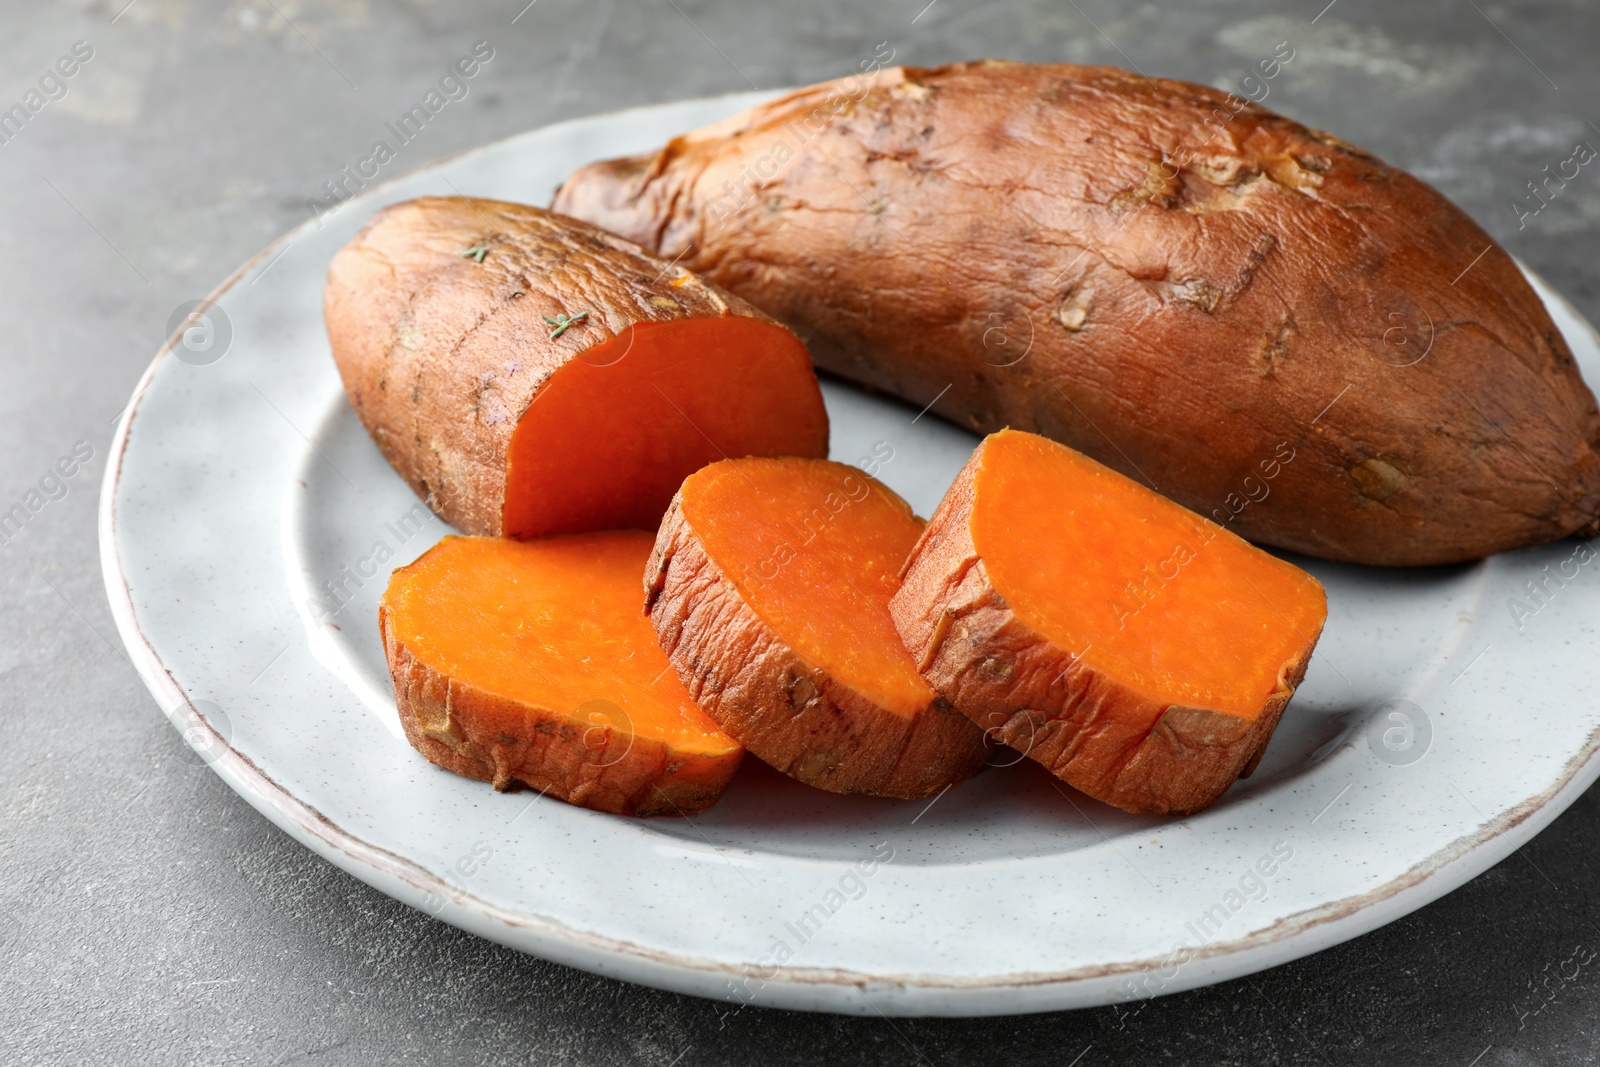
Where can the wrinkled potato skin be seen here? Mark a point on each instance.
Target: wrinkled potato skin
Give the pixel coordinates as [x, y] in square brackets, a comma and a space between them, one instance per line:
[441, 354]
[1185, 286]
[1104, 739]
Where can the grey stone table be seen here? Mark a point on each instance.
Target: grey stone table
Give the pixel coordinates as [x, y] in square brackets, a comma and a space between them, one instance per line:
[150, 915]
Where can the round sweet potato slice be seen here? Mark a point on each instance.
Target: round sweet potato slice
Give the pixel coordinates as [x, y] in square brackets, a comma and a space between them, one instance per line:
[529, 374]
[1140, 652]
[769, 588]
[530, 662]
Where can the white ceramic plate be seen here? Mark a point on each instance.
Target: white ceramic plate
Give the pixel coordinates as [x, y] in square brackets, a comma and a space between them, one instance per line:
[248, 527]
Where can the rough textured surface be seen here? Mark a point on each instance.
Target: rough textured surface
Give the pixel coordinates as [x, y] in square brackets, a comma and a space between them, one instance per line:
[1188, 280]
[790, 713]
[1090, 730]
[154, 917]
[439, 313]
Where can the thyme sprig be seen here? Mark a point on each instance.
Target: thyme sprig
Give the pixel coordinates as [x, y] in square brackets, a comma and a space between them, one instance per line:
[562, 322]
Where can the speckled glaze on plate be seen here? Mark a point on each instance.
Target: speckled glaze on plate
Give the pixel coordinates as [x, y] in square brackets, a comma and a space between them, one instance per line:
[248, 527]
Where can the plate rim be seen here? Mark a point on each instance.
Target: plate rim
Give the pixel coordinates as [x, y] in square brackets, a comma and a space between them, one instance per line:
[1290, 937]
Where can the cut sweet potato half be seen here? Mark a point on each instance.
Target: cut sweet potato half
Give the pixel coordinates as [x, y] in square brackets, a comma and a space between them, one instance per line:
[769, 589]
[529, 374]
[530, 662]
[1140, 652]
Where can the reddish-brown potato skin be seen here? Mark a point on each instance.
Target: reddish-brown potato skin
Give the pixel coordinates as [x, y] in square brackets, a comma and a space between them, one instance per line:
[1103, 739]
[786, 712]
[1180, 284]
[441, 354]
[462, 729]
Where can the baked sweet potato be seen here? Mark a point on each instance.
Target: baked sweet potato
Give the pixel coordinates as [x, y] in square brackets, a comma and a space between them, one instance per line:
[1140, 652]
[768, 587]
[1181, 284]
[530, 374]
[530, 662]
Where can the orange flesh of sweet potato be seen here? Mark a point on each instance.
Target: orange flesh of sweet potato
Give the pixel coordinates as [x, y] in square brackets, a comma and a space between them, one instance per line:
[820, 578]
[769, 589]
[1140, 651]
[1208, 622]
[610, 437]
[531, 662]
[530, 374]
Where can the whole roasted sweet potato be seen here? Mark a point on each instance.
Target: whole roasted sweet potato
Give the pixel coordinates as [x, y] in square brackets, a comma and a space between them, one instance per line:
[530, 374]
[1254, 318]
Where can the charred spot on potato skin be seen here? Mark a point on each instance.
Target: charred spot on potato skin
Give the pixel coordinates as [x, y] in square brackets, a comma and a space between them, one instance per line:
[802, 691]
[1276, 347]
[1198, 293]
[484, 385]
[1380, 477]
[1253, 259]
[1161, 185]
[1558, 348]
[998, 668]
[815, 765]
